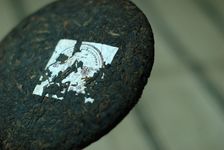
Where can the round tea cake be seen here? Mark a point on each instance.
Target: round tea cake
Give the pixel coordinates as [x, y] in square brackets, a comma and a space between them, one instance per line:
[72, 71]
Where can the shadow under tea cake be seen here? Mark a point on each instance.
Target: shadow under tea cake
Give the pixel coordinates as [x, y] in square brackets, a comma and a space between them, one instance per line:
[71, 72]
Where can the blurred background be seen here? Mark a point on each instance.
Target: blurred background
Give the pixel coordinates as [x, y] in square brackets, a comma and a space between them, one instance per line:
[182, 107]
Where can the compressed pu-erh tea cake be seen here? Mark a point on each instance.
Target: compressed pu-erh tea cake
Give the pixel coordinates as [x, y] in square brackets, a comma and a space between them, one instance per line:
[72, 71]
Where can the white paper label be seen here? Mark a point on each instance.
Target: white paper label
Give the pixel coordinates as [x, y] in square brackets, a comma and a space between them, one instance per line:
[69, 68]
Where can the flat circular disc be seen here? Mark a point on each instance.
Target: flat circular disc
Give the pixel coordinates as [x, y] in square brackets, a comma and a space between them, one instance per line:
[72, 71]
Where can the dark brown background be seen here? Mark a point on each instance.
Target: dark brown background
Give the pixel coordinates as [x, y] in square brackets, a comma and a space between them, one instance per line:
[183, 109]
